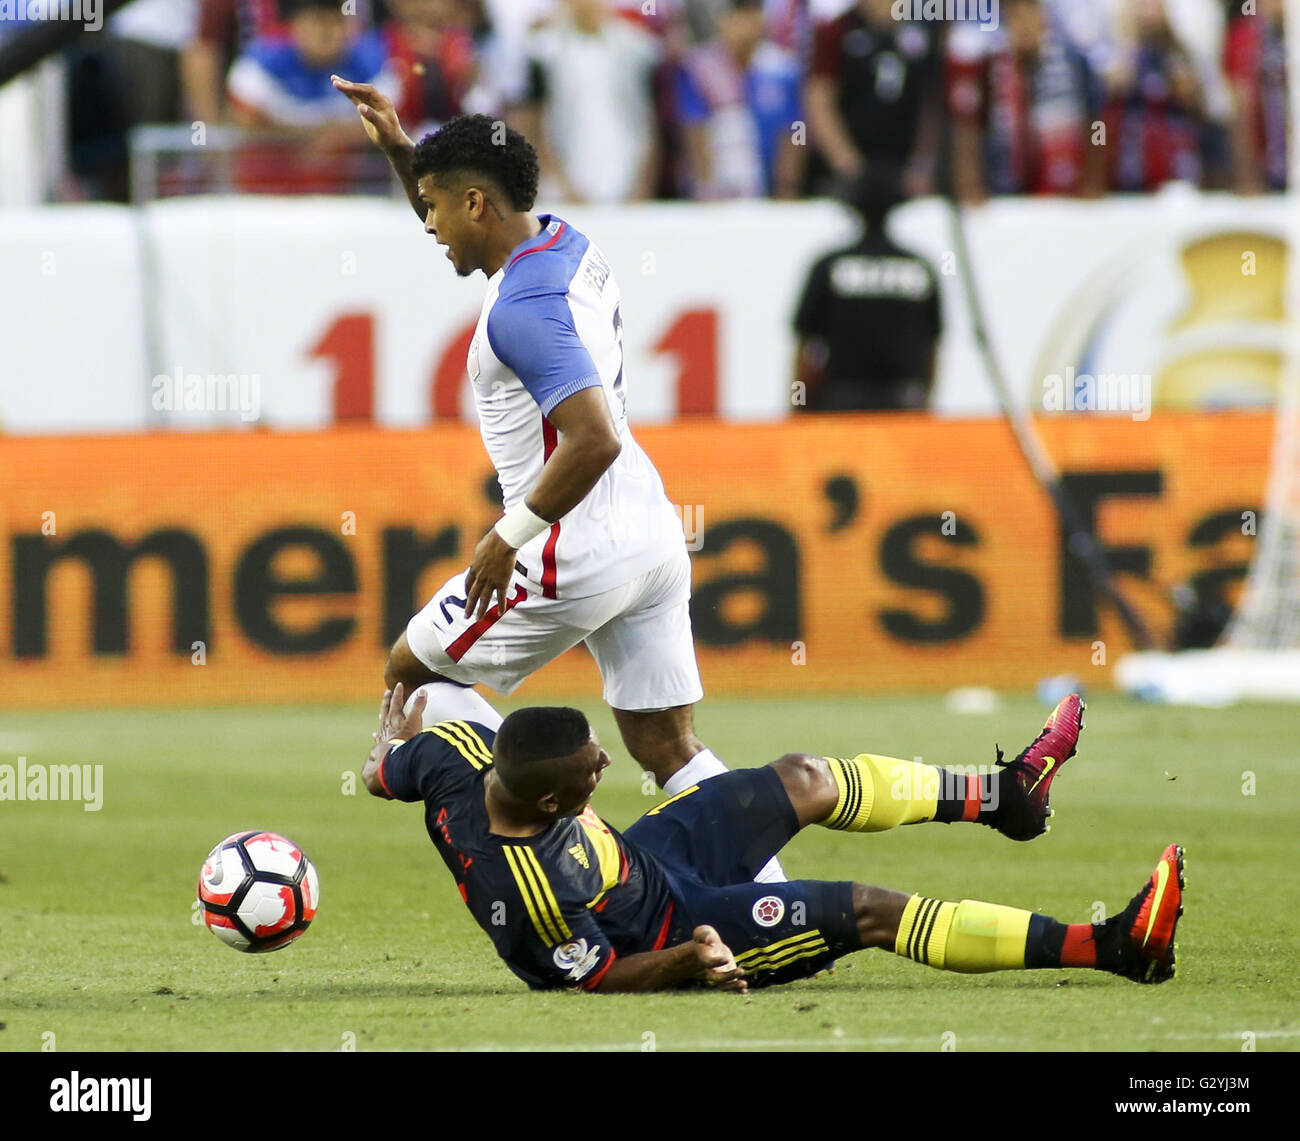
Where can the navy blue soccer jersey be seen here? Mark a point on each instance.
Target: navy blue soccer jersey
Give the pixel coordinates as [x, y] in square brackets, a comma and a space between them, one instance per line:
[562, 905]
[559, 906]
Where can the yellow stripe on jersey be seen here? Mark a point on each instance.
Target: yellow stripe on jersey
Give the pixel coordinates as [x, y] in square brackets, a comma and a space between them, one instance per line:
[768, 947]
[547, 895]
[658, 808]
[765, 959]
[780, 946]
[444, 731]
[523, 880]
[602, 840]
[538, 897]
[786, 958]
[471, 738]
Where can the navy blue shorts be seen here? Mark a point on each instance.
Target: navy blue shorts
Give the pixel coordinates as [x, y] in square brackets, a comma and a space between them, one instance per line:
[711, 840]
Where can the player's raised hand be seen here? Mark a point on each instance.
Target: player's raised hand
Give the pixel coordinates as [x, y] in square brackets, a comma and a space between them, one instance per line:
[378, 115]
[393, 721]
[717, 964]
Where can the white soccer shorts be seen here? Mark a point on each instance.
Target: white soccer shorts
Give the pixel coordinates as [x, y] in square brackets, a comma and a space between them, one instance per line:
[639, 634]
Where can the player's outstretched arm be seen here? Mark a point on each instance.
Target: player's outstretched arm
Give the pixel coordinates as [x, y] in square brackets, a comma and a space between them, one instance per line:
[384, 129]
[705, 957]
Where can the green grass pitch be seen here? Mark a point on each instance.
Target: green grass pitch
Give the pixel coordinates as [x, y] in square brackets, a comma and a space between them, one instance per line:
[98, 948]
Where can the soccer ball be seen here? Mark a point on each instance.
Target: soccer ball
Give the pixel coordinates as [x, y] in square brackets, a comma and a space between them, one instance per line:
[258, 891]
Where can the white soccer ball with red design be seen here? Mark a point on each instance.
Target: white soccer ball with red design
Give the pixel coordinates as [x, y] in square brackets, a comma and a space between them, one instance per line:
[258, 891]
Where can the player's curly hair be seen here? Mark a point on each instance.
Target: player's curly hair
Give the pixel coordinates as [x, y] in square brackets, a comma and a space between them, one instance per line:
[481, 145]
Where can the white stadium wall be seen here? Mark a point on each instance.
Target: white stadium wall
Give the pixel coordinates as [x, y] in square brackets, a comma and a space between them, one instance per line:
[329, 307]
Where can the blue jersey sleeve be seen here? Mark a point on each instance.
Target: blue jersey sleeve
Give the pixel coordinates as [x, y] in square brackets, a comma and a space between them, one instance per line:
[400, 770]
[534, 336]
[422, 767]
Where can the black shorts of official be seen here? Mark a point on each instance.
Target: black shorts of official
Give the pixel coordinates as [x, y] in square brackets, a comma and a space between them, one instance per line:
[711, 841]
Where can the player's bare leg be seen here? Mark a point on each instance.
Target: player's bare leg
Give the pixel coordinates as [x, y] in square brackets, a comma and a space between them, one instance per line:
[404, 667]
[663, 742]
[445, 700]
[810, 785]
[878, 910]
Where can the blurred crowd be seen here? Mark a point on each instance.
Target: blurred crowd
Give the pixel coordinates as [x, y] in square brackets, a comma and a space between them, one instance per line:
[714, 99]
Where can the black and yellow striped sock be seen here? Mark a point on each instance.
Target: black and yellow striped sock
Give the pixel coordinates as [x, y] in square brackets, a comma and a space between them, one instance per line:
[969, 936]
[973, 937]
[877, 793]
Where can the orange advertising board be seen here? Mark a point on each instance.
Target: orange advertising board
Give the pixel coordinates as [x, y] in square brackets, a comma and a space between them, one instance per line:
[848, 554]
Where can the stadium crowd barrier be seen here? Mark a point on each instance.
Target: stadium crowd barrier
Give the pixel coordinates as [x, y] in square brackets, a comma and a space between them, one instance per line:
[323, 310]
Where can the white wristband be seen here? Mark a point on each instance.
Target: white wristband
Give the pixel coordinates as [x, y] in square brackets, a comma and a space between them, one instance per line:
[520, 524]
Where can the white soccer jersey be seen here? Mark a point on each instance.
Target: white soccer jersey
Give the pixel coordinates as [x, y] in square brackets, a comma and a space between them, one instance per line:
[551, 326]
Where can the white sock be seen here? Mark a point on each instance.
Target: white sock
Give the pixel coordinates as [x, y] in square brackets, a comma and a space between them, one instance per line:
[700, 767]
[448, 702]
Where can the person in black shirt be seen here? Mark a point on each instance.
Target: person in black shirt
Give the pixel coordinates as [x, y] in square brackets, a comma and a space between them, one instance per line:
[868, 320]
[874, 94]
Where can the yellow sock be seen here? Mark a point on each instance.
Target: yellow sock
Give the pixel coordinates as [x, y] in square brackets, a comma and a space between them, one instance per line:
[969, 936]
[877, 793]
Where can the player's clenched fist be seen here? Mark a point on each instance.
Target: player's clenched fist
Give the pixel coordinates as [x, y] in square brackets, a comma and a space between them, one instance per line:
[717, 964]
[378, 115]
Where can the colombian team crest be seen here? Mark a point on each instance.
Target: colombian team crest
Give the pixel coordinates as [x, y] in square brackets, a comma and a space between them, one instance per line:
[769, 911]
